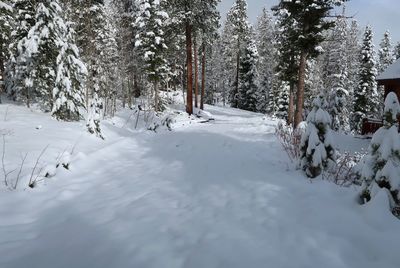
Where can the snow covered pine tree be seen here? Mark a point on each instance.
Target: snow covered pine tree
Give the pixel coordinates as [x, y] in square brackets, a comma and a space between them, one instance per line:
[47, 66]
[237, 18]
[316, 147]
[17, 65]
[366, 101]
[5, 31]
[381, 167]
[249, 94]
[266, 46]
[151, 24]
[386, 53]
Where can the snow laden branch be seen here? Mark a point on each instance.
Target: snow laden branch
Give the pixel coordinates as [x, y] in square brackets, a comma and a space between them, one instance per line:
[317, 150]
[380, 169]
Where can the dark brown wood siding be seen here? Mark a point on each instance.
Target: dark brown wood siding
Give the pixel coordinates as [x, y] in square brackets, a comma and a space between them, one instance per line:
[391, 85]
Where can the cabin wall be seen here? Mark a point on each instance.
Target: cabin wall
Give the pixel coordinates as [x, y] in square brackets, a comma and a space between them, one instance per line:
[391, 86]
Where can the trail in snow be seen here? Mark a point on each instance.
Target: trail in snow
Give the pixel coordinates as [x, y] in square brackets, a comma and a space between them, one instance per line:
[214, 195]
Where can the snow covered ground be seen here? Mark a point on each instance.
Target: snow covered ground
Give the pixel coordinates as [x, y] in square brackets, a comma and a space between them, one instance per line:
[205, 195]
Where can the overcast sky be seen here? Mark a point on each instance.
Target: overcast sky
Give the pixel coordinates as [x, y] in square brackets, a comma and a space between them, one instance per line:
[382, 15]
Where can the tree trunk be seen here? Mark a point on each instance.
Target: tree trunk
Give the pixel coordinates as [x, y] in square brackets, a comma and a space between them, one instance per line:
[28, 97]
[235, 103]
[189, 97]
[123, 95]
[2, 86]
[183, 87]
[291, 105]
[203, 76]
[196, 73]
[298, 116]
[156, 100]
[136, 88]
[129, 92]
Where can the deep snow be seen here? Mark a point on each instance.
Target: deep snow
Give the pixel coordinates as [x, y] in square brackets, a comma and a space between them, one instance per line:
[216, 194]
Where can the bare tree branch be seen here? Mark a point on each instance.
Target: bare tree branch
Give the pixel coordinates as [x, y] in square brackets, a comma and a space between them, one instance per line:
[31, 181]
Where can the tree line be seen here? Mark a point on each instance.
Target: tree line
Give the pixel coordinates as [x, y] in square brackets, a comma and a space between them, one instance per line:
[79, 58]
[296, 51]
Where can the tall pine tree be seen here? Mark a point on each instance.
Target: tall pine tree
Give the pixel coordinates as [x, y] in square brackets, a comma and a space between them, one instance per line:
[266, 45]
[150, 39]
[366, 99]
[309, 23]
[6, 26]
[248, 95]
[237, 18]
[385, 53]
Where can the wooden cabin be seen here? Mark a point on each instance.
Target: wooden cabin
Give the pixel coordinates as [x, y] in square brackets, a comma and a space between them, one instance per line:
[390, 81]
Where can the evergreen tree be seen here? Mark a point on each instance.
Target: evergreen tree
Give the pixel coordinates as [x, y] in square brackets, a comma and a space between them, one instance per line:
[249, 95]
[237, 18]
[366, 99]
[315, 79]
[381, 167]
[208, 23]
[6, 11]
[287, 62]
[317, 151]
[353, 61]
[272, 104]
[336, 74]
[265, 40]
[385, 54]
[396, 51]
[46, 65]
[150, 39]
[68, 91]
[94, 115]
[308, 22]
[111, 59]
[228, 62]
[17, 66]
[282, 100]
[185, 15]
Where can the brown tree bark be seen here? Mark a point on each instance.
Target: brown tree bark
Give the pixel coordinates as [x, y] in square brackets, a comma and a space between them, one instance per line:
[203, 76]
[291, 105]
[196, 73]
[189, 63]
[235, 103]
[298, 116]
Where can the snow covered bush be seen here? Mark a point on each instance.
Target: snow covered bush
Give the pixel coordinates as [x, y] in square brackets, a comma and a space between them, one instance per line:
[345, 172]
[381, 167]
[94, 115]
[316, 148]
[289, 138]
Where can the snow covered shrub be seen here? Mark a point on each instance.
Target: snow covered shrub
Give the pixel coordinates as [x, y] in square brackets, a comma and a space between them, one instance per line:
[381, 167]
[94, 115]
[316, 147]
[165, 121]
[345, 172]
[289, 139]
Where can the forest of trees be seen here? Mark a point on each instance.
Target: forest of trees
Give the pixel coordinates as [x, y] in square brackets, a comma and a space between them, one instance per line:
[81, 58]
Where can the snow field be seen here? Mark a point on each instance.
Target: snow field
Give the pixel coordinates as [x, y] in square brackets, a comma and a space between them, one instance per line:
[216, 194]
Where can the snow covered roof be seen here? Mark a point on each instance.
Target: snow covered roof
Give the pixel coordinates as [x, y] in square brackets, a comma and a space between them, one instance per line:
[392, 72]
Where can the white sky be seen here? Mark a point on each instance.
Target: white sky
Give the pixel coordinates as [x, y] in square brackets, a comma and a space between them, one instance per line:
[382, 15]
